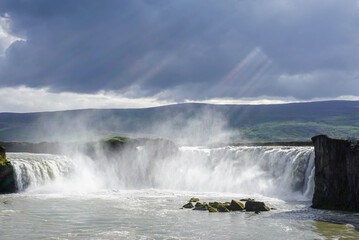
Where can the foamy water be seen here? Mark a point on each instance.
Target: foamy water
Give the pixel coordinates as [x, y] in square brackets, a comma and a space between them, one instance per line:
[139, 196]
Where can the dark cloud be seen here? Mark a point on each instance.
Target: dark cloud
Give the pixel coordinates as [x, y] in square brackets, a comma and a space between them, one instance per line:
[185, 49]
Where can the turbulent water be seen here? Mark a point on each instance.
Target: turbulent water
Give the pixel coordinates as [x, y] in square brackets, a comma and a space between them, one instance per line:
[139, 196]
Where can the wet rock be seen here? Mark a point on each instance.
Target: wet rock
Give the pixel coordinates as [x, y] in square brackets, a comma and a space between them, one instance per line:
[253, 206]
[236, 206]
[222, 209]
[194, 199]
[188, 205]
[201, 208]
[212, 209]
[247, 199]
[198, 204]
[216, 204]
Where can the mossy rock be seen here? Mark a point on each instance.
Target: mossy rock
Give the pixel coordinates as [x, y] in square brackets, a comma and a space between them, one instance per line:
[198, 204]
[222, 209]
[201, 208]
[217, 204]
[120, 139]
[2, 150]
[247, 200]
[253, 206]
[212, 209]
[7, 175]
[236, 206]
[188, 205]
[194, 199]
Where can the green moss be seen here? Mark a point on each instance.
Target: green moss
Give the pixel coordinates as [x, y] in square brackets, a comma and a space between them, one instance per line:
[214, 204]
[222, 209]
[194, 199]
[4, 162]
[188, 205]
[212, 209]
[201, 207]
[119, 139]
[236, 206]
[247, 199]
[198, 204]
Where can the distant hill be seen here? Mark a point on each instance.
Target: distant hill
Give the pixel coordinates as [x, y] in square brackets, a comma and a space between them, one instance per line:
[197, 122]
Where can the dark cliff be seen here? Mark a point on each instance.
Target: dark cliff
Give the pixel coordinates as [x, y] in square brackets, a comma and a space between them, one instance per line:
[7, 174]
[336, 174]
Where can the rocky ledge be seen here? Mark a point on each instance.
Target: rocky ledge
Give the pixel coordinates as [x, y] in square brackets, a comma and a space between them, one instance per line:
[336, 174]
[7, 174]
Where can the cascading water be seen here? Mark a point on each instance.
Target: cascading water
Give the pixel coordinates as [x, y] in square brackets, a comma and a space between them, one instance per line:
[271, 171]
[283, 172]
[33, 170]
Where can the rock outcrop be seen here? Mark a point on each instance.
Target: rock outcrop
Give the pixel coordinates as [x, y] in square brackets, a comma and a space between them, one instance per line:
[251, 206]
[7, 174]
[336, 174]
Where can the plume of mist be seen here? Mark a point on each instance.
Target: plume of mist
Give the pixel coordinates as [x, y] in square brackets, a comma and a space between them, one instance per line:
[187, 126]
[203, 127]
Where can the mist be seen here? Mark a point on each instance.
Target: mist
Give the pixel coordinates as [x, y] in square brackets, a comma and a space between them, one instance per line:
[195, 126]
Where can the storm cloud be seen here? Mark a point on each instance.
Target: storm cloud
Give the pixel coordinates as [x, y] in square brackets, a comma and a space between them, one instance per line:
[178, 50]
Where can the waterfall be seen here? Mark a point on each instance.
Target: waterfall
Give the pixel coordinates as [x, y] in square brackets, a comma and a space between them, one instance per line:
[34, 170]
[272, 171]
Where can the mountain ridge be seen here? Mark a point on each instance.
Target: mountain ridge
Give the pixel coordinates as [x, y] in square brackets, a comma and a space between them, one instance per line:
[266, 122]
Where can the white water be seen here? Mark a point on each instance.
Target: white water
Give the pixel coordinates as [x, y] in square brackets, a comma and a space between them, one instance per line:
[282, 172]
[138, 195]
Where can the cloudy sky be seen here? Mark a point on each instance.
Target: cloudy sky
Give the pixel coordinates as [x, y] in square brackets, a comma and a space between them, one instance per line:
[66, 54]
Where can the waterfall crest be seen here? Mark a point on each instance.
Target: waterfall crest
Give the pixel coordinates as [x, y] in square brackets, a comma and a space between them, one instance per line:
[270, 171]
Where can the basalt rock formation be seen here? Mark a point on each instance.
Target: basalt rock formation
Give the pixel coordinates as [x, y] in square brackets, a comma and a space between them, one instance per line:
[336, 174]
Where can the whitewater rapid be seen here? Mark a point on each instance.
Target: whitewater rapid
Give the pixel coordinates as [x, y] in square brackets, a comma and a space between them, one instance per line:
[281, 172]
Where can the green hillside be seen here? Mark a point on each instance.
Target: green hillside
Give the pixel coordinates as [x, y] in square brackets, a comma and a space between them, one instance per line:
[281, 122]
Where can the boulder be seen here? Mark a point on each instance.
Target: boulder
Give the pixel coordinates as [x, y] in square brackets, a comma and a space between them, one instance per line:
[246, 199]
[201, 207]
[216, 204]
[188, 205]
[253, 206]
[212, 209]
[198, 204]
[194, 199]
[222, 209]
[236, 206]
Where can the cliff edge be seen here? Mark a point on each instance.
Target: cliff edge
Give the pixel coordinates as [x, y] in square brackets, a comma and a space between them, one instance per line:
[336, 174]
[7, 174]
